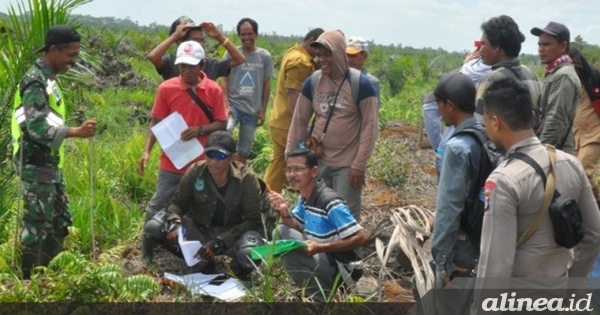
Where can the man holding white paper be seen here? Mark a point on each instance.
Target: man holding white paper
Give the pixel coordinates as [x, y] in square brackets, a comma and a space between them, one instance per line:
[200, 102]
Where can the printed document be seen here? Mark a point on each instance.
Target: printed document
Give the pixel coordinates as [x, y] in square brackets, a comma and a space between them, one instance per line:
[168, 134]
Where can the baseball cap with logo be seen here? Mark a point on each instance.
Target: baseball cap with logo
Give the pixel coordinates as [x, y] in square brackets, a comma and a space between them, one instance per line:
[356, 45]
[60, 34]
[220, 141]
[554, 29]
[190, 52]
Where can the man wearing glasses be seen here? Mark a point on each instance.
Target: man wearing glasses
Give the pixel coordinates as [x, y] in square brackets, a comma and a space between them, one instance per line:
[217, 202]
[323, 221]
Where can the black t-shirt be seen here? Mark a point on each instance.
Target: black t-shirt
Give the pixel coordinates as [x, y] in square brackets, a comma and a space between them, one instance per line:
[214, 69]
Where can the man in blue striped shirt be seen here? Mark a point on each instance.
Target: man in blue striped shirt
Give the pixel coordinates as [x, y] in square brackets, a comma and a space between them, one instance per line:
[323, 221]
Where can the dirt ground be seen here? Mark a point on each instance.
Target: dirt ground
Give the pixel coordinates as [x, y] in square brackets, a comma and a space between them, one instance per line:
[378, 200]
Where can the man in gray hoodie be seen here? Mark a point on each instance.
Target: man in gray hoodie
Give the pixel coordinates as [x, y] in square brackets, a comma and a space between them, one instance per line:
[346, 126]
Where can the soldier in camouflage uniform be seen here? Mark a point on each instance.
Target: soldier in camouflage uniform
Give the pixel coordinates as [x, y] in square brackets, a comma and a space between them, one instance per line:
[38, 132]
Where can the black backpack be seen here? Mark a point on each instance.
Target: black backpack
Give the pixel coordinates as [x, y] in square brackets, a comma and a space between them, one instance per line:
[471, 219]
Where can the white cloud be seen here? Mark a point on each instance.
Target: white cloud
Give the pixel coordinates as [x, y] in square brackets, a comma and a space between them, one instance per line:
[452, 25]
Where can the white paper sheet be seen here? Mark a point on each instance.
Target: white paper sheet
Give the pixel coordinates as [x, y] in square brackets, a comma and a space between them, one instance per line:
[193, 279]
[188, 249]
[230, 290]
[198, 283]
[168, 134]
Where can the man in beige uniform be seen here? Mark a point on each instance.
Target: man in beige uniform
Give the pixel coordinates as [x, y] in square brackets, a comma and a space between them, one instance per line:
[514, 193]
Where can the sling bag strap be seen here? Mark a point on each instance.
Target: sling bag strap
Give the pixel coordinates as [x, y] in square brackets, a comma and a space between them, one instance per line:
[312, 127]
[550, 186]
[200, 103]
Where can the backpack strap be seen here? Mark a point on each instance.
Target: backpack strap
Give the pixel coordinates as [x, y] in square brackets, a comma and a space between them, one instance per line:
[479, 134]
[481, 137]
[354, 78]
[314, 79]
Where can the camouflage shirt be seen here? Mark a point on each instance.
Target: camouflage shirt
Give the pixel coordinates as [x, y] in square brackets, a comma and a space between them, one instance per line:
[41, 122]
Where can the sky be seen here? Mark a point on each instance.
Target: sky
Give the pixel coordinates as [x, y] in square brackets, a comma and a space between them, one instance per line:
[446, 24]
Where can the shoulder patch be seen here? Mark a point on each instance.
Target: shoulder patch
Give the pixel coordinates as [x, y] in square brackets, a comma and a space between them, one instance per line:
[200, 184]
[487, 191]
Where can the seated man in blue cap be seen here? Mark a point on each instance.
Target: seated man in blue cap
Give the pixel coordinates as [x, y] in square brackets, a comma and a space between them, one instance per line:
[218, 202]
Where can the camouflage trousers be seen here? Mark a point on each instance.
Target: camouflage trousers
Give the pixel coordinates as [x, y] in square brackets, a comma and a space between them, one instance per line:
[45, 211]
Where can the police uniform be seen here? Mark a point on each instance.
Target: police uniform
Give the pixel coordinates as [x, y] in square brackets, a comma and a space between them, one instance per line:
[38, 132]
[514, 193]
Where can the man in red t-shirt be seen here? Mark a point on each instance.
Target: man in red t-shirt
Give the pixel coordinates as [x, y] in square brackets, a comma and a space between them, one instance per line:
[173, 96]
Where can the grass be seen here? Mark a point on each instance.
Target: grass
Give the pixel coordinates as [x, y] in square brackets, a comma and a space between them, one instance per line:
[107, 196]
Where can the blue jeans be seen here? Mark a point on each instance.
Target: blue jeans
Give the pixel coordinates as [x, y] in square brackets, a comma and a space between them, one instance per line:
[431, 120]
[246, 132]
[595, 273]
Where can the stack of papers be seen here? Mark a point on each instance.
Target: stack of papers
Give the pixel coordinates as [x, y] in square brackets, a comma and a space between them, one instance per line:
[198, 283]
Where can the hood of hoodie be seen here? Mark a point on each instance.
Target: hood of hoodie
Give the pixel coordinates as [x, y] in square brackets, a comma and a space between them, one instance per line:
[335, 40]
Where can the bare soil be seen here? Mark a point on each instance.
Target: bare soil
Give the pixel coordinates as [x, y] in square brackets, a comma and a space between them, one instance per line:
[378, 200]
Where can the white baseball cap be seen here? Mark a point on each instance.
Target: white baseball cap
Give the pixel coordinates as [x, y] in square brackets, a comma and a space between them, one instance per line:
[190, 52]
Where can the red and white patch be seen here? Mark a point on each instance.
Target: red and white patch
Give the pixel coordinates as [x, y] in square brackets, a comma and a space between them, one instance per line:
[489, 185]
[487, 192]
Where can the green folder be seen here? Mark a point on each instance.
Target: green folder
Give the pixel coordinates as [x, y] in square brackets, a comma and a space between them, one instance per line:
[277, 248]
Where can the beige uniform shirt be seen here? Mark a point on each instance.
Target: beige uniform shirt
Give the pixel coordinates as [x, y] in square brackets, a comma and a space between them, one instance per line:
[514, 194]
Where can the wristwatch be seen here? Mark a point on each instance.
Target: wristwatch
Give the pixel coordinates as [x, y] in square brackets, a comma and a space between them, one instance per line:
[201, 131]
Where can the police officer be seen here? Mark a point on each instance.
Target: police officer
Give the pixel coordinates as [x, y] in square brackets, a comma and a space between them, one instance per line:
[514, 194]
[38, 132]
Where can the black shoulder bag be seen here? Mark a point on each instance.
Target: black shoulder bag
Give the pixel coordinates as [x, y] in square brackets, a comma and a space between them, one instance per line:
[564, 211]
[201, 104]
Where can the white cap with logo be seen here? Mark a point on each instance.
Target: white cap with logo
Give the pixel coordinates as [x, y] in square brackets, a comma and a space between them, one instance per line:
[190, 52]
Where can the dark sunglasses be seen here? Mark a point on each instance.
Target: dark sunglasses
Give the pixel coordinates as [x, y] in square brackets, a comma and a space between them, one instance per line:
[216, 155]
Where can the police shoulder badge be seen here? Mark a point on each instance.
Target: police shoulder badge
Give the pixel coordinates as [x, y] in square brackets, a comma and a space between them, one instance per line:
[487, 191]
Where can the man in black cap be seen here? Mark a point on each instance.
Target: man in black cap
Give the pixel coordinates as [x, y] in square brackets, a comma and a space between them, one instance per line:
[38, 132]
[184, 29]
[561, 86]
[218, 200]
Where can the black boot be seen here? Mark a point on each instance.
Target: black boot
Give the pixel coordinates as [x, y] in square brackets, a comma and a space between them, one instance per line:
[147, 243]
[240, 272]
[147, 249]
[53, 245]
[30, 259]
